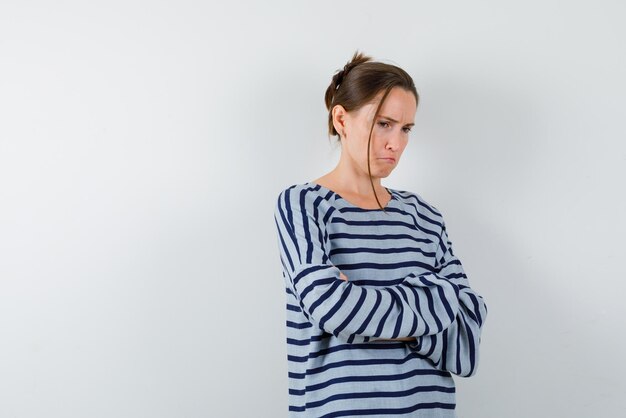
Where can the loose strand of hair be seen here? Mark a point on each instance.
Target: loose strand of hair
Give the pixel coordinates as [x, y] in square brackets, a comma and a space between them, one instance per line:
[369, 140]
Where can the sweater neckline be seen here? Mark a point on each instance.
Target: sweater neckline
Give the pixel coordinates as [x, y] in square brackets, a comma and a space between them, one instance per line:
[352, 205]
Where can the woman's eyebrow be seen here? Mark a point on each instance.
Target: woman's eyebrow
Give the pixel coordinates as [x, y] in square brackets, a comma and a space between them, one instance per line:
[393, 120]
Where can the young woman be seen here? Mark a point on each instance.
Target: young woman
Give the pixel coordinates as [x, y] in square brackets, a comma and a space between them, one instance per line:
[380, 313]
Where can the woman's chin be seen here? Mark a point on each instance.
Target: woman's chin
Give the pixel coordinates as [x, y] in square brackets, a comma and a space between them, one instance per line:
[386, 170]
[383, 173]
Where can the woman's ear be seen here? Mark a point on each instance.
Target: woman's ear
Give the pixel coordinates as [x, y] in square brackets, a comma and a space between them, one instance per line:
[339, 119]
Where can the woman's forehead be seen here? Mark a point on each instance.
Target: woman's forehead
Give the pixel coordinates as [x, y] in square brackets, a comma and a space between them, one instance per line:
[397, 106]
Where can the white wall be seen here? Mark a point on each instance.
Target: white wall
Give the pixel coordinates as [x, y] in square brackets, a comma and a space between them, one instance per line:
[143, 144]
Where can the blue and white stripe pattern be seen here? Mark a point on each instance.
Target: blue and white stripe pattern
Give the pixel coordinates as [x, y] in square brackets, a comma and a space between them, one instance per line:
[403, 281]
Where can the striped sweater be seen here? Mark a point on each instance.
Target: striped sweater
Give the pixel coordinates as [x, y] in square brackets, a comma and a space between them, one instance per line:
[403, 281]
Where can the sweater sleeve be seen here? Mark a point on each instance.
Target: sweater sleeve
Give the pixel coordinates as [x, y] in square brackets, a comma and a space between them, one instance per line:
[420, 305]
[455, 349]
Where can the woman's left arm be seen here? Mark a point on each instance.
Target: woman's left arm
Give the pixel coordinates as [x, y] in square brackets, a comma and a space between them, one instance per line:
[456, 348]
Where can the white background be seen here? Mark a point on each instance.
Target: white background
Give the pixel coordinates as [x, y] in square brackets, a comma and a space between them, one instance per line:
[143, 145]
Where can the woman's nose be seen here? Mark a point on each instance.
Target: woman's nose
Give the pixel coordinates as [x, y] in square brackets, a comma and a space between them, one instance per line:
[394, 142]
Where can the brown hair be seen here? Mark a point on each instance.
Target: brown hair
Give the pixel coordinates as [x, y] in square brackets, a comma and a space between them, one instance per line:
[357, 84]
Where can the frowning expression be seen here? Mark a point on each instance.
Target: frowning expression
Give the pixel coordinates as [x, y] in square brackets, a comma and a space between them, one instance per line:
[390, 135]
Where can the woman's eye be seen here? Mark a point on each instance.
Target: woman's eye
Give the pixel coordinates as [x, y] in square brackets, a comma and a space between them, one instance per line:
[407, 130]
[383, 124]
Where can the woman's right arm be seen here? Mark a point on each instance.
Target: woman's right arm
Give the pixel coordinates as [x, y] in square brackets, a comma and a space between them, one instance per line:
[410, 339]
[420, 305]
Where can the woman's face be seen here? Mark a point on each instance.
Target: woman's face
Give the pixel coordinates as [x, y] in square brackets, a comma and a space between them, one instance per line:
[389, 136]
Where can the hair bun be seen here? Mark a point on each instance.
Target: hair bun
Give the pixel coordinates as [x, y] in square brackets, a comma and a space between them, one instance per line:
[340, 76]
[357, 58]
